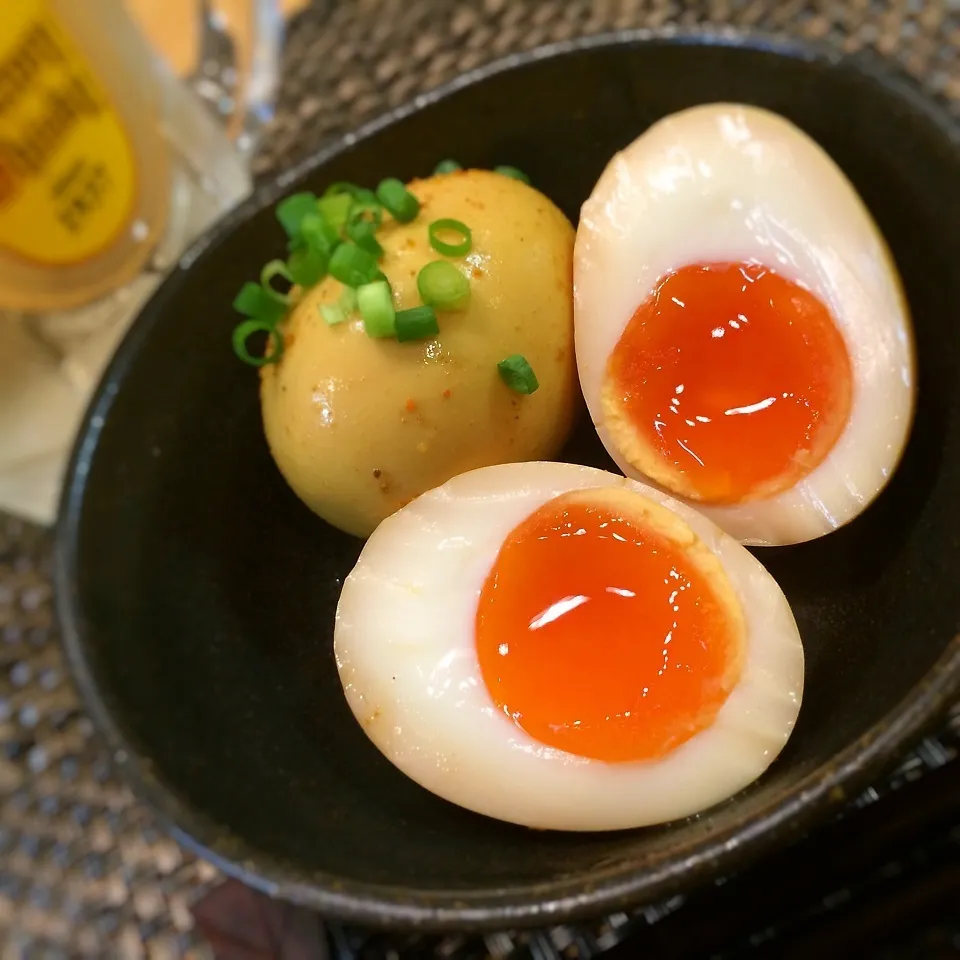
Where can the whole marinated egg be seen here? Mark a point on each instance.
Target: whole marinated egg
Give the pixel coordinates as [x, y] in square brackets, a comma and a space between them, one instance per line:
[359, 425]
[565, 648]
[742, 337]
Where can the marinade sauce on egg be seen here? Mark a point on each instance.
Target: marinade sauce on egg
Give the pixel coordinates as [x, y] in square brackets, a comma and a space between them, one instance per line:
[607, 629]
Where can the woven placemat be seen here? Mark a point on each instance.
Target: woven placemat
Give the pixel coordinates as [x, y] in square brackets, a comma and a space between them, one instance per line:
[84, 869]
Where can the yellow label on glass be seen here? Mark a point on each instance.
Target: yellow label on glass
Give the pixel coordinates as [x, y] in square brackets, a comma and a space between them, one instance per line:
[67, 172]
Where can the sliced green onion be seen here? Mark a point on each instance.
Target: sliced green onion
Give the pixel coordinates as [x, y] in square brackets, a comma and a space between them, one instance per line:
[243, 331]
[450, 248]
[307, 266]
[335, 209]
[317, 233]
[353, 266]
[417, 323]
[447, 166]
[367, 208]
[366, 211]
[517, 374]
[443, 286]
[513, 173]
[341, 187]
[401, 203]
[363, 234]
[248, 299]
[276, 268]
[366, 198]
[376, 308]
[253, 301]
[291, 211]
[348, 300]
[334, 313]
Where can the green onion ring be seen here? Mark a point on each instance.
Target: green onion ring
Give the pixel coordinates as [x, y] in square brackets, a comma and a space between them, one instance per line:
[291, 210]
[341, 186]
[243, 331]
[453, 226]
[417, 323]
[442, 286]
[362, 233]
[276, 268]
[353, 266]
[317, 233]
[513, 173]
[253, 301]
[515, 371]
[399, 201]
[332, 313]
[335, 208]
[307, 266]
[366, 211]
[376, 308]
[348, 300]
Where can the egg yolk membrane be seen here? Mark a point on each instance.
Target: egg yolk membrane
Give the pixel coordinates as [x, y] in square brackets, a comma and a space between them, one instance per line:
[729, 383]
[607, 628]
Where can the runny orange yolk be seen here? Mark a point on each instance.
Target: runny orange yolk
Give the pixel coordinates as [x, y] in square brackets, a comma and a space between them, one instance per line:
[729, 383]
[602, 635]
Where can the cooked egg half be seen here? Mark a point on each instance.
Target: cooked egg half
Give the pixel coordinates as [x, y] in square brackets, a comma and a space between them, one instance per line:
[560, 647]
[742, 336]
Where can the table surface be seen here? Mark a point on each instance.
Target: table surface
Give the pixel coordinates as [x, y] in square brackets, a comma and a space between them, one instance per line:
[84, 868]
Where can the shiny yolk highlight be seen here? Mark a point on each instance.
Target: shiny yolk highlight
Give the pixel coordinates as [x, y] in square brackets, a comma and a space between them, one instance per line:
[729, 383]
[601, 634]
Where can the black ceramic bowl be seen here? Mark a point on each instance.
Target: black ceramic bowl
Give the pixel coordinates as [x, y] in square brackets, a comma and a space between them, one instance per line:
[197, 594]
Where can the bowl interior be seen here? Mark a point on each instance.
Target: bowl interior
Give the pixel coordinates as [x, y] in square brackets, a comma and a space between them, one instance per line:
[200, 593]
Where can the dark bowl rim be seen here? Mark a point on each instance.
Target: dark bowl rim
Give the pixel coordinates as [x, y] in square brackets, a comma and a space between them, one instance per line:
[604, 890]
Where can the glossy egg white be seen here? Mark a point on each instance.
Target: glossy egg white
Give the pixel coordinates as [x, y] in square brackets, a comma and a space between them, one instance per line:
[731, 183]
[405, 649]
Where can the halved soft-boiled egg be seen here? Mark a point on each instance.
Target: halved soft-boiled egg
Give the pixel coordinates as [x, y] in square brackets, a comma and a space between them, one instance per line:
[742, 336]
[565, 648]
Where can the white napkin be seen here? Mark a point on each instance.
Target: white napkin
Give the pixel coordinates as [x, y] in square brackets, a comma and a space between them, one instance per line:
[48, 371]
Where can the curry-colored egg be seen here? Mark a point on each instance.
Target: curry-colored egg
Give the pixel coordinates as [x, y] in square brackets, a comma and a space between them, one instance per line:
[360, 426]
